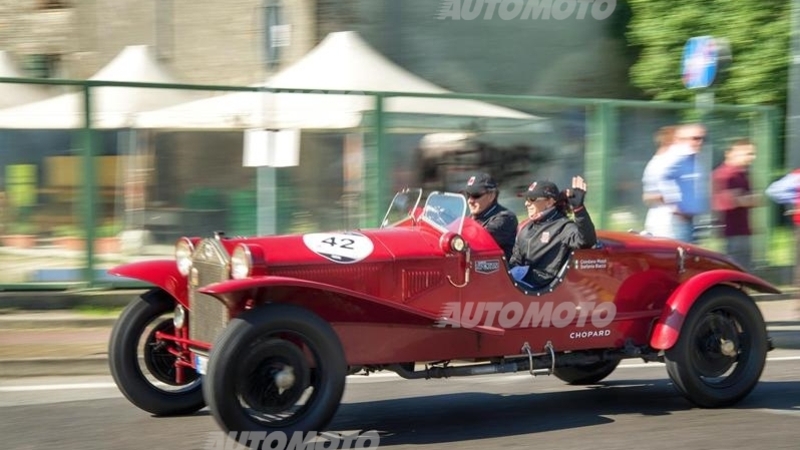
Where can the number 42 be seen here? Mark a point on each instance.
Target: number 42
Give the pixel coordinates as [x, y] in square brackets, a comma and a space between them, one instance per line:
[342, 243]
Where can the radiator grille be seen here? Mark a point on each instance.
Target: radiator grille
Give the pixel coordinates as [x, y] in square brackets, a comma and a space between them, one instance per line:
[208, 316]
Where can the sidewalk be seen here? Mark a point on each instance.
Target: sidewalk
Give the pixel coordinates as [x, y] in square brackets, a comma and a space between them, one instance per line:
[62, 342]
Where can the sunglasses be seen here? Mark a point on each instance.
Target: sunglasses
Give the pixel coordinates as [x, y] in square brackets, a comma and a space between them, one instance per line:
[476, 196]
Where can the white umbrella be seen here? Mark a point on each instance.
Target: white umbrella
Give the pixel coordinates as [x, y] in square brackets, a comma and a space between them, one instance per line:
[113, 107]
[337, 72]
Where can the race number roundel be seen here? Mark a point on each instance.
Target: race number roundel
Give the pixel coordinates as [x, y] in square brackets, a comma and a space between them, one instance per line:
[343, 248]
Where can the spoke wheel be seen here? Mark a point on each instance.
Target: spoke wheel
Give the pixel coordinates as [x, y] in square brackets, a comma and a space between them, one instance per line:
[160, 362]
[151, 386]
[274, 377]
[278, 367]
[721, 351]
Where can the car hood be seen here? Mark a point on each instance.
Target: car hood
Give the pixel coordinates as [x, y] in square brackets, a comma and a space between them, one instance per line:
[344, 247]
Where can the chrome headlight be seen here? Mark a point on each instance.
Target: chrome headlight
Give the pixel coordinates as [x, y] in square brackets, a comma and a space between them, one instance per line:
[452, 242]
[241, 262]
[183, 256]
[180, 317]
[458, 244]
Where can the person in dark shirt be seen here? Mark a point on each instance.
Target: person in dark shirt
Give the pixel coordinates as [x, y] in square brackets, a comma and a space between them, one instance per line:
[546, 238]
[481, 191]
[733, 198]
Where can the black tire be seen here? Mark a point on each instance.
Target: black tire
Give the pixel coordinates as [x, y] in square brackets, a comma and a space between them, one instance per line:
[702, 369]
[587, 373]
[124, 354]
[261, 344]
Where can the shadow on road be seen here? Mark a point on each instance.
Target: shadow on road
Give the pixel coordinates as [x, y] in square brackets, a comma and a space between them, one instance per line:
[469, 416]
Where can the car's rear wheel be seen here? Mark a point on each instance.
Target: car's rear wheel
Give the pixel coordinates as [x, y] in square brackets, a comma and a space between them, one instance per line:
[721, 351]
[144, 367]
[278, 367]
[586, 373]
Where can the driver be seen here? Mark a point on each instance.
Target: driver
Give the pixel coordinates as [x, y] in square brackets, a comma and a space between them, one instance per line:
[549, 234]
[481, 192]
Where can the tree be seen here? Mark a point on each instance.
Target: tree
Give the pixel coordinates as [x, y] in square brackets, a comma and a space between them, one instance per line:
[758, 33]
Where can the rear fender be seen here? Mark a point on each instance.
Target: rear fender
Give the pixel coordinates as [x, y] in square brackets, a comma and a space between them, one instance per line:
[162, 273]
[667, 328]
[233, 292]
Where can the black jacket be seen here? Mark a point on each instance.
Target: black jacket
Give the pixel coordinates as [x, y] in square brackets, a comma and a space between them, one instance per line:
[501, 224]
[545, 244]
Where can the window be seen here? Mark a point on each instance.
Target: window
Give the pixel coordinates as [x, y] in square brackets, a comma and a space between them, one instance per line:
[42, 66]
[52, 4]
[277, 33]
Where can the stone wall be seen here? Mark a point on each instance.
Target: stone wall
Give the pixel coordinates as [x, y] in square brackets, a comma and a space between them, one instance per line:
[222, 43]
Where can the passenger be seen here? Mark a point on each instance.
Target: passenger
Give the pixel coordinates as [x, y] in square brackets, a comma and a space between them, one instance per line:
[546, 238]
[482, 192]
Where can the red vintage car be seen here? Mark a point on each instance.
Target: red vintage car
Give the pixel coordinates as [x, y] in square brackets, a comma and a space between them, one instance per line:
[265, 330]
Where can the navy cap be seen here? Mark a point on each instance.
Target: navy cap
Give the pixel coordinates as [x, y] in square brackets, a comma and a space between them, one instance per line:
[479, 184]
[541, 189]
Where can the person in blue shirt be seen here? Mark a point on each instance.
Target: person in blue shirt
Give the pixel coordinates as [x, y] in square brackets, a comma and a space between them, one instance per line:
[685, 181]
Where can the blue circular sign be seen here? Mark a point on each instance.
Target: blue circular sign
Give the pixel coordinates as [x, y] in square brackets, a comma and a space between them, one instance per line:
[699, 62]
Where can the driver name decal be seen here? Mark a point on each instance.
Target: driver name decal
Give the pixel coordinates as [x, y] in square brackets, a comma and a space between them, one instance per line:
[591, 264]
[342, 248]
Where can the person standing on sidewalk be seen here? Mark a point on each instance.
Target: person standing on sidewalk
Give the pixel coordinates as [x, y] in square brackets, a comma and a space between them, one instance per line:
[786, 191]
[733, 198]
[687, 172]
[658, 221]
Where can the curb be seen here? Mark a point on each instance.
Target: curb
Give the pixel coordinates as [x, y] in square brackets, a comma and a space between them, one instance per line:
[10, 323]
[54, 300]
[39, 367]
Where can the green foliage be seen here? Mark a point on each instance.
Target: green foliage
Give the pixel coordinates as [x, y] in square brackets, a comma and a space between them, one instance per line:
[108, 229]
[758, 33]
[22, 228]
[67, 231]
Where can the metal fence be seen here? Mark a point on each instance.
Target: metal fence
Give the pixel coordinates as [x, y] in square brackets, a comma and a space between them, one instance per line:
[111, 172]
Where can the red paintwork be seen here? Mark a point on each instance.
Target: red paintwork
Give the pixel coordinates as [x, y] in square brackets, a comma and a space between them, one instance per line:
[384, 306]
[666, 331]
[162, 273]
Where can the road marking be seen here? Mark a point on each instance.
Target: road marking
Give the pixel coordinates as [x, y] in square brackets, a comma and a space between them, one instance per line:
[56, 387]
[382, 376]
[781, 412]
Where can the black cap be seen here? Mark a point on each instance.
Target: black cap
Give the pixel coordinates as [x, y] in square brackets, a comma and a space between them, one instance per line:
[479, 184]
[541, 189]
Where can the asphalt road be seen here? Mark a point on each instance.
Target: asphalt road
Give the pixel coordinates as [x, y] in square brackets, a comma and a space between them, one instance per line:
[636, 407]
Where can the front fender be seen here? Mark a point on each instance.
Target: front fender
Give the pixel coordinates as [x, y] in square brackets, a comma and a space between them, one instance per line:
[667, 328]
[225, 289]
[162, 273]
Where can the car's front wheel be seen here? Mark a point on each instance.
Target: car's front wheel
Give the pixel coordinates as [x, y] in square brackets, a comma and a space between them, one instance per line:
[278, 367]
[143, 366]
[721, 351]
